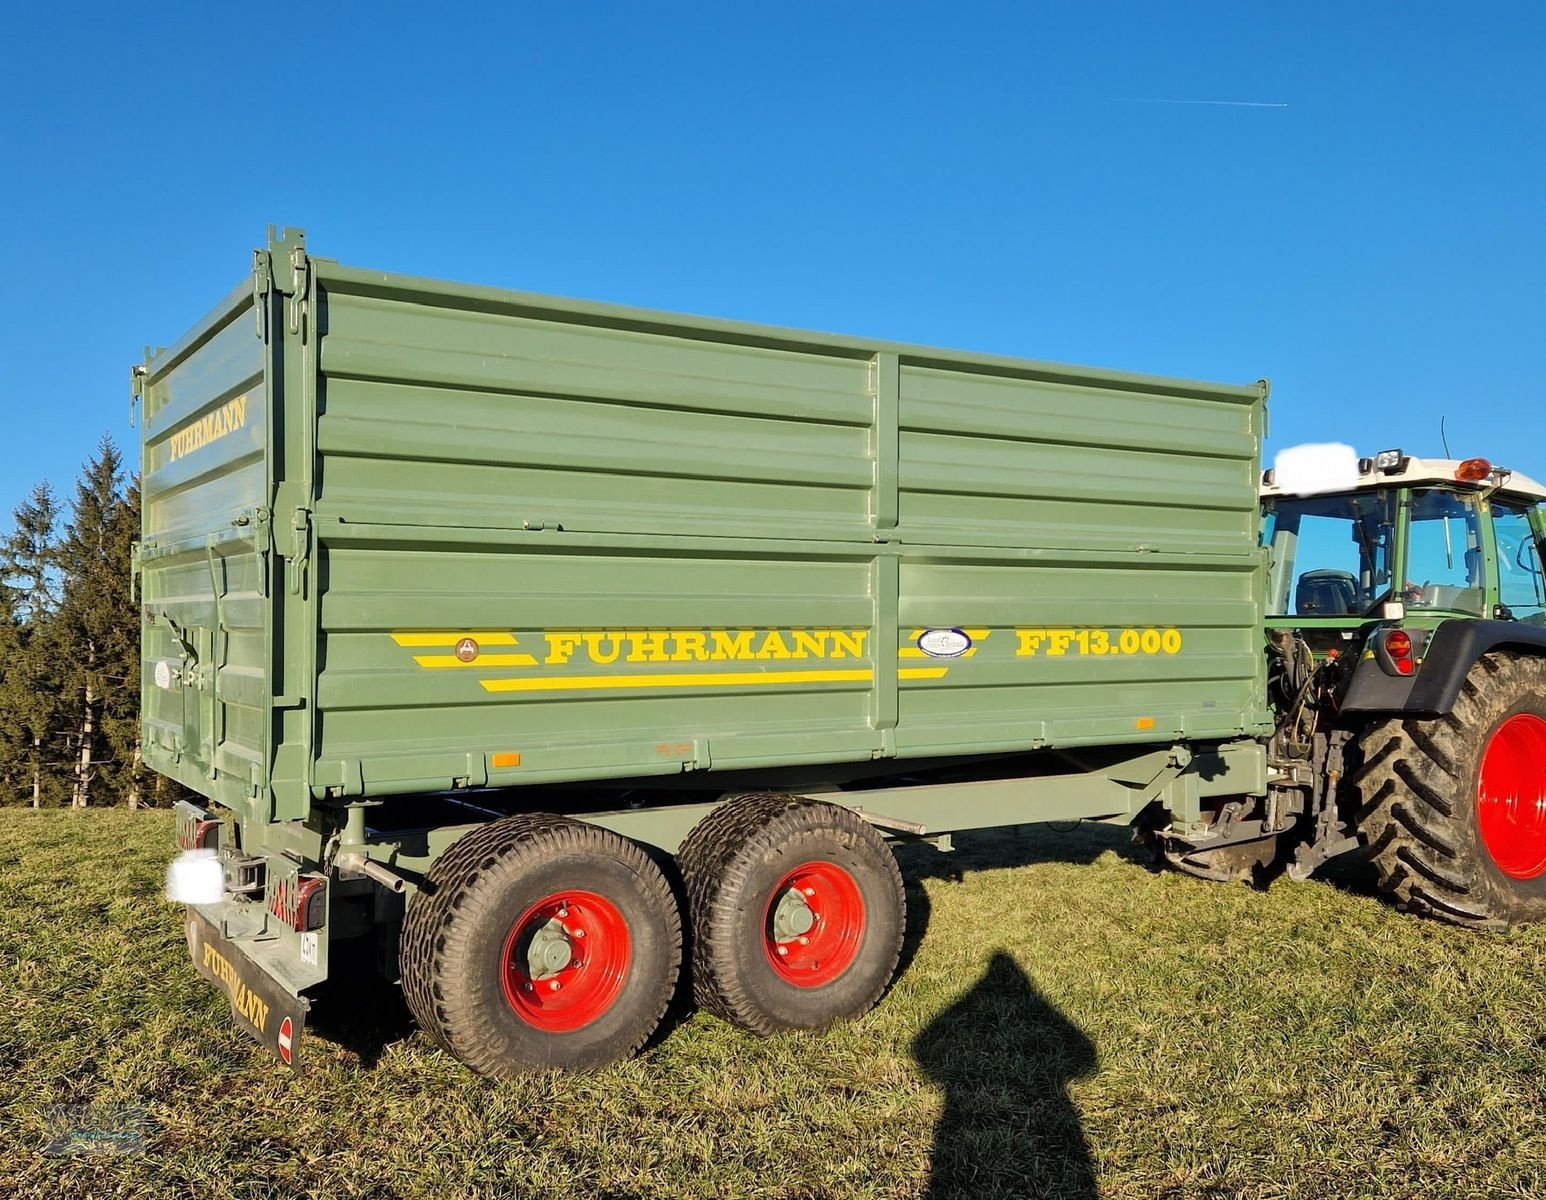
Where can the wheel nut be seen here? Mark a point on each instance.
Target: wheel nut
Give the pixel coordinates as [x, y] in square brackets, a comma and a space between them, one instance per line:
[810, 891]
[578, 933]
[526, 987]
[805, 941]
[783, 950]
[554, 986]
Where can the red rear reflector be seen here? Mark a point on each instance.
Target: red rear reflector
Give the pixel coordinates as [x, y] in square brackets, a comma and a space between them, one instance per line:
[1404, 666]
[286, 1040]
[1473, 470]
[1399, 643]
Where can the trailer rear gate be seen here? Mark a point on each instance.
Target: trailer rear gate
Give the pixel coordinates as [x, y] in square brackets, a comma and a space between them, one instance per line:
[403, 535]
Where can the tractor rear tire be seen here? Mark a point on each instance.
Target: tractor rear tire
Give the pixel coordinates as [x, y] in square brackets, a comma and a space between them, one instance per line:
[1453, 809]
[540, 942]
[797, 912]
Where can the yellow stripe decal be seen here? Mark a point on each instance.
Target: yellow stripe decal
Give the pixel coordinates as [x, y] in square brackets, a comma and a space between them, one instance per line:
[695, 679]
[421, 640]
[922, 672]
[483, 660]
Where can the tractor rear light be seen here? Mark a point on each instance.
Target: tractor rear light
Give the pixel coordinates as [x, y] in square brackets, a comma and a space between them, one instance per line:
[1397, 651]
[1473, 470]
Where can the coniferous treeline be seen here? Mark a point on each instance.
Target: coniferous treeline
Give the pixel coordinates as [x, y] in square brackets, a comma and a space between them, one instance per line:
[69, 647]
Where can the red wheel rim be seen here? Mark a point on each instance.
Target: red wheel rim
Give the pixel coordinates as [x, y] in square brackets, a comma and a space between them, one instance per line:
[1511, 796]
[814, 954]
[565, 960]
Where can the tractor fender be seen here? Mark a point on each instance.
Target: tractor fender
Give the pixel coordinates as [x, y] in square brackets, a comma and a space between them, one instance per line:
[1451, 652]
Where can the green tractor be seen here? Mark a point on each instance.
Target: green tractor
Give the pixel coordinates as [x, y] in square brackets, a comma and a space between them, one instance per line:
[1406, 646]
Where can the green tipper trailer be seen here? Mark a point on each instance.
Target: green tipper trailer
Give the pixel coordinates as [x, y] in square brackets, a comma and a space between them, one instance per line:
[514, 633]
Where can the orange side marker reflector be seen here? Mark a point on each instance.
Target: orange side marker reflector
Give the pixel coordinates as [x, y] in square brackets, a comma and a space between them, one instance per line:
[1145, 722]
[508, 759]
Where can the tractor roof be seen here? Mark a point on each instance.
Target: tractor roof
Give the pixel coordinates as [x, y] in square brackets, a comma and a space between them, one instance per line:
[1412, 470]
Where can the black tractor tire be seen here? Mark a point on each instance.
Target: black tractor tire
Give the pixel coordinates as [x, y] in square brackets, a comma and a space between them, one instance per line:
[1420, 800]
[460, 948]
[738, 865]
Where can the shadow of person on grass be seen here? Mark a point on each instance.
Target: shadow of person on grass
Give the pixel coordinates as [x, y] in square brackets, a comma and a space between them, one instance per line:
[1005, 1055]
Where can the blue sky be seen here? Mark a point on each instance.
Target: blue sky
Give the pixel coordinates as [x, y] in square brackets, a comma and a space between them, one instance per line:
[1017, 178]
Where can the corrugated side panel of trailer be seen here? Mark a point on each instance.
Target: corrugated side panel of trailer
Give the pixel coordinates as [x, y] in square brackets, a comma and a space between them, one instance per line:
[204, 557]
[557, 540]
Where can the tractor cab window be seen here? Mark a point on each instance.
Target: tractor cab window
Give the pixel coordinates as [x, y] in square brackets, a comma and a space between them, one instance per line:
[1444, 565]
[1521, 590]
[1331, 555]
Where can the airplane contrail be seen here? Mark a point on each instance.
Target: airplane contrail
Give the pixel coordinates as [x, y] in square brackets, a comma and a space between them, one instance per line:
[1226, 103]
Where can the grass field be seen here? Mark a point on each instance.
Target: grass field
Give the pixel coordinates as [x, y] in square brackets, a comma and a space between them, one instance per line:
[1070, 1025]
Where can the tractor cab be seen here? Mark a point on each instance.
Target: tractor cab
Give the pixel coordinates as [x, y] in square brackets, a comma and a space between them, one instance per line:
[1414, 540]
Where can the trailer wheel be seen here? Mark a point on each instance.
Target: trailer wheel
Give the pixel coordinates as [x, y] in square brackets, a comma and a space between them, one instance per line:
[1453, 809]
[797, 912]
[541, 942]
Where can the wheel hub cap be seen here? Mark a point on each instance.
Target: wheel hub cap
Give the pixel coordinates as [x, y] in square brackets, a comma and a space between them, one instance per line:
[792, 917]
[1511, 796]
[551, 950]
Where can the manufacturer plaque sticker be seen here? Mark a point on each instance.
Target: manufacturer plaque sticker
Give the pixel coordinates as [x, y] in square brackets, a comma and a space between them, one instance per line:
[944, 643]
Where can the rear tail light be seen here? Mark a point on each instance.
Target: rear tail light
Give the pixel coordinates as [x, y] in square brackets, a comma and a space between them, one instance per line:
[300, 902]
[1398, 647]
[200, 834]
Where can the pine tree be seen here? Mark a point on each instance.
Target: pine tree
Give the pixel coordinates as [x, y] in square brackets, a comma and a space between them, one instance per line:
[121, 705]
[30, 671]
[29, 557]
[97, 624]
[13, 737]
